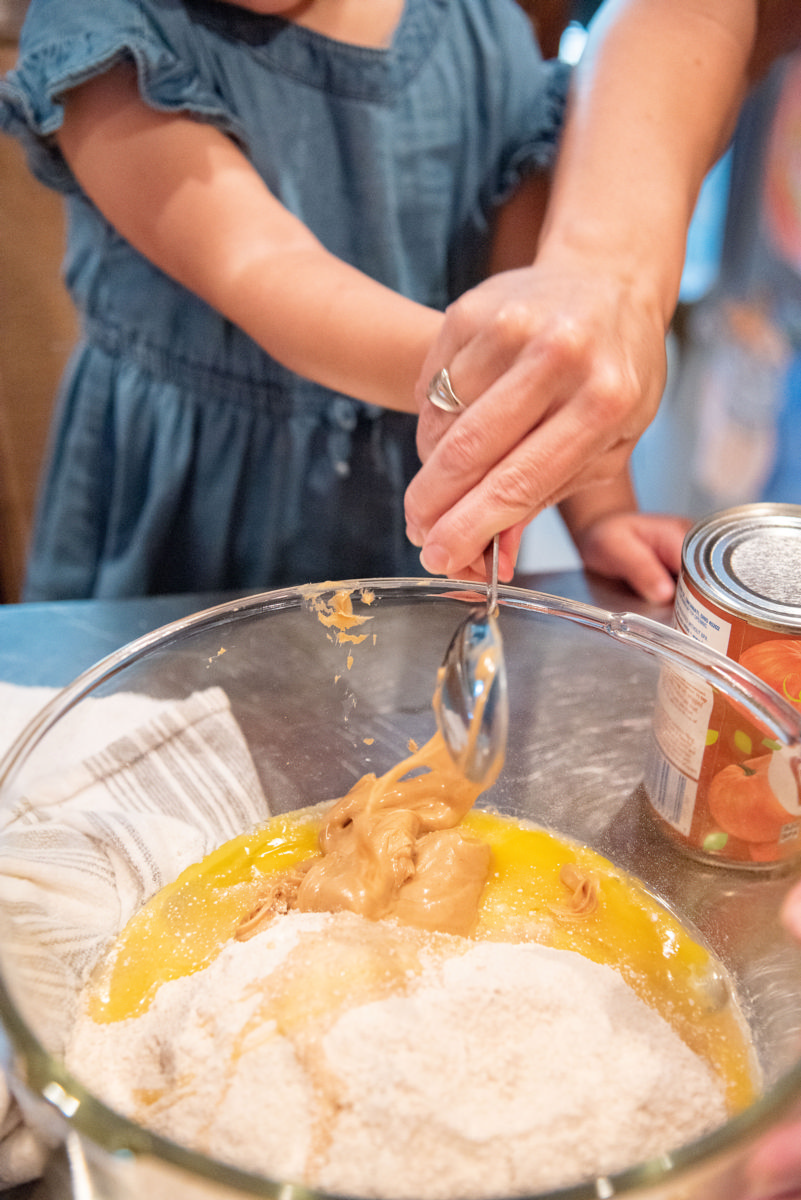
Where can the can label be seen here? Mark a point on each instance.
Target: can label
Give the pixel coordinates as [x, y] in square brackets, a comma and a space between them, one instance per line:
[720, 783]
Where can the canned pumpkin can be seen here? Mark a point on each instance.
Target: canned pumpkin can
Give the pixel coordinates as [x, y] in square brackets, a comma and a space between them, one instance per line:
[715, 782]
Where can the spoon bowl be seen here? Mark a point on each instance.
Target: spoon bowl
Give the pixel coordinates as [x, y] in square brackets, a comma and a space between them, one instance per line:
[471, 701]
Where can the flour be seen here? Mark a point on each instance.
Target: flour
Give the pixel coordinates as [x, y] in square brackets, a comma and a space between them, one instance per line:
[372, 1059]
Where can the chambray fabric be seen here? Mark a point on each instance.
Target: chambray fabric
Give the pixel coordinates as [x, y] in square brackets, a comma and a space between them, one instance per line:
[183, 457]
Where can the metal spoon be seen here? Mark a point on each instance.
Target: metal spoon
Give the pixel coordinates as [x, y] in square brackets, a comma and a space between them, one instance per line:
[471, 702]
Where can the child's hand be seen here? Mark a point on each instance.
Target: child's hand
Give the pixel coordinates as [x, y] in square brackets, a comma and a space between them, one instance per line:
[644, 549]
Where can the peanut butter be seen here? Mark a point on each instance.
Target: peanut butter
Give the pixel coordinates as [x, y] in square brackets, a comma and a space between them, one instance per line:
[390, 848]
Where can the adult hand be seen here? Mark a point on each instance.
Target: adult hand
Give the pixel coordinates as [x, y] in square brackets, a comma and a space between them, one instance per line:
[561, 367]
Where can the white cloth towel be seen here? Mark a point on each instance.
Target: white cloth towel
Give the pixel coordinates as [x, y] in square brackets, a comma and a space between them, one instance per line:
[146, 787]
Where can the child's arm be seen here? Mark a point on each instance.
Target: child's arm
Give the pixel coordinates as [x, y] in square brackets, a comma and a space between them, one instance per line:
[616, 540]
[186, 197]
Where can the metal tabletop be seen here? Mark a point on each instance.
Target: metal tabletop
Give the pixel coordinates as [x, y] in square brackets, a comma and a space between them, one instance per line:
[49, 644]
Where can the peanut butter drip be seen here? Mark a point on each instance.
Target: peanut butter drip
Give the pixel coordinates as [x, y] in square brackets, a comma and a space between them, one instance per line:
[584, 891]
[390, 849]
[280, 896]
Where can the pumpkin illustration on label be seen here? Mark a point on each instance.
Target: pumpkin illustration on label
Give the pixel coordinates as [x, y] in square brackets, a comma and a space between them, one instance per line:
[757, 800]
[778, 663]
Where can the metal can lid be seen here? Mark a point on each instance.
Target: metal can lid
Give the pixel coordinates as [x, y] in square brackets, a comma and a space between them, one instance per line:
[747, 560]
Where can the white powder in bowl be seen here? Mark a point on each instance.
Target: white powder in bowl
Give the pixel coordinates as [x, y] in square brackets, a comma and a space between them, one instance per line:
[370, 1059]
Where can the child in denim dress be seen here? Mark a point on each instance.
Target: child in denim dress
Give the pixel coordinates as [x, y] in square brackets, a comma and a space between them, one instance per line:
[269, 205]
[207, 439]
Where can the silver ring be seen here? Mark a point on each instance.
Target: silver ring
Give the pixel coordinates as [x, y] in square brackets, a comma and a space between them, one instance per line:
[442, 395]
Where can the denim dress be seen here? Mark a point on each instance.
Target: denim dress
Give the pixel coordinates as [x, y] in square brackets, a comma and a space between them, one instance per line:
[182, 456]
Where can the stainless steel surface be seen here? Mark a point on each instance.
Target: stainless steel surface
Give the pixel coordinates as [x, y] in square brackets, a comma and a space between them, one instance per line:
[47, 645]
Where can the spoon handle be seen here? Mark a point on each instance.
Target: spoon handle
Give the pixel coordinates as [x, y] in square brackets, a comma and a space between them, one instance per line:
[491, 568]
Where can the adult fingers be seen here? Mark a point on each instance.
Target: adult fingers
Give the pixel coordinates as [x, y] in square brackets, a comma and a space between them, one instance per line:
[477, 343]
[540, 468]
[542, 422]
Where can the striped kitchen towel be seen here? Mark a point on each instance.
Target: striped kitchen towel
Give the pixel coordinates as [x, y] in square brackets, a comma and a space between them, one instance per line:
[82, 847]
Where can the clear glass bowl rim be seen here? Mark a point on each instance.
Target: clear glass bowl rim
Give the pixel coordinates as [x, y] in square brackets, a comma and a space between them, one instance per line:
[49, 1081]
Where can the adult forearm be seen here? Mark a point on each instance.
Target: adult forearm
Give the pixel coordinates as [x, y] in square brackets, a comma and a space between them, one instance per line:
[655, 100]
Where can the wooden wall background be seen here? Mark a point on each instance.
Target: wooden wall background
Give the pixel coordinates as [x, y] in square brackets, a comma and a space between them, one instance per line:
[37, 331]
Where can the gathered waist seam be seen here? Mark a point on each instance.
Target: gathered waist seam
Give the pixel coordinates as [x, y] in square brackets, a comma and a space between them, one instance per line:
[278, 391]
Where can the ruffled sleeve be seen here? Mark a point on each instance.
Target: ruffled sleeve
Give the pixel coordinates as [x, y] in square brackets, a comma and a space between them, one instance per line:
[65, 44]
[540, 133]
[533, 100]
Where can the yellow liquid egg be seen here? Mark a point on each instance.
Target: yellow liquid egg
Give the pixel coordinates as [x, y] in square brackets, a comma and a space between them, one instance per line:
[185, 926]
[629, 931]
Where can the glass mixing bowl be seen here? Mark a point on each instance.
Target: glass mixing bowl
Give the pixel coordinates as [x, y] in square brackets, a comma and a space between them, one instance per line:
[314, 704]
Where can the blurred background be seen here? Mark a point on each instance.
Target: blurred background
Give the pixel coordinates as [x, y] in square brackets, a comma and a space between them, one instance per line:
[729, 427]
